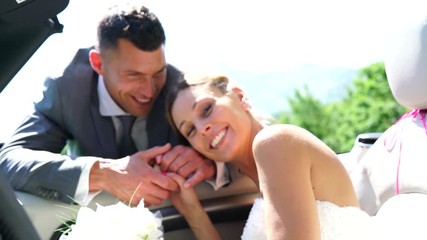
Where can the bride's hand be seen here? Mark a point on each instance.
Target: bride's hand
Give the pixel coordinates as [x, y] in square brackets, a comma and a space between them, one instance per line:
[185, 200]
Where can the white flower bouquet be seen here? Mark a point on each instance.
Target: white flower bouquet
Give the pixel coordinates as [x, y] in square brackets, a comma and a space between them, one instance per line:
[117, 221]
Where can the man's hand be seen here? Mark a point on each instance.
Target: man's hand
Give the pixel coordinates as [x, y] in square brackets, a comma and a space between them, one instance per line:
[132, 178]
[188, 163]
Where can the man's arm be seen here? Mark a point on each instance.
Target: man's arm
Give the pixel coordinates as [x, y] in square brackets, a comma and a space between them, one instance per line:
[32, 162]
[31, 159]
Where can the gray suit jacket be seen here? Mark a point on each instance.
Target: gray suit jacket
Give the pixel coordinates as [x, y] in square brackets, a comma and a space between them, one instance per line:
[69, 113]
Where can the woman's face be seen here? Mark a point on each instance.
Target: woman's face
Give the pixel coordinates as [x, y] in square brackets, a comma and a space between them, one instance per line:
[215, 124]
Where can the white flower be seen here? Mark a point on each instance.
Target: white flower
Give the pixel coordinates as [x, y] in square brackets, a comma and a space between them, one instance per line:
[117, 221]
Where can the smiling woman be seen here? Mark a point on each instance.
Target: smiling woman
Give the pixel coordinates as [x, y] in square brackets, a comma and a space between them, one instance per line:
[306, 191]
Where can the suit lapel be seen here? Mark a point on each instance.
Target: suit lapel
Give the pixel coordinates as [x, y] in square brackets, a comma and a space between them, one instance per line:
[103, 126]
[157, 125]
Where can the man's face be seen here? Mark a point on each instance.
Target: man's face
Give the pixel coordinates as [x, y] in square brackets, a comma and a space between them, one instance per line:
[134, 78]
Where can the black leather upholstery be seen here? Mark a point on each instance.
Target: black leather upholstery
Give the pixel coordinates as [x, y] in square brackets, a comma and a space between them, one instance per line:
[14, 221]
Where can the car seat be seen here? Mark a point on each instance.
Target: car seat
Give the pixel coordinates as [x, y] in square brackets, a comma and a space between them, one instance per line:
[14, 221]
[396, 165]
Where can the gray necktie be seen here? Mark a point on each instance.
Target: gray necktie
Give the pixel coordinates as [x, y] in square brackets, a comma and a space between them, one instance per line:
[126, 144]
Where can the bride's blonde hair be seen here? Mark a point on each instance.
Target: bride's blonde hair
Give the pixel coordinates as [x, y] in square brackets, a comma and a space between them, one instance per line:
[219, 82]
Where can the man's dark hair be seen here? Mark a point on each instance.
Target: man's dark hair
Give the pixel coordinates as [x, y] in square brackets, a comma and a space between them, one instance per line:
[136, 24]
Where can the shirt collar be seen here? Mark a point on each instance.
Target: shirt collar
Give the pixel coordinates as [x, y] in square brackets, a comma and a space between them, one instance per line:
[107, 106]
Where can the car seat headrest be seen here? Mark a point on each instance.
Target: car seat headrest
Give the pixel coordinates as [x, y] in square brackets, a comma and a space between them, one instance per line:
[406, 63]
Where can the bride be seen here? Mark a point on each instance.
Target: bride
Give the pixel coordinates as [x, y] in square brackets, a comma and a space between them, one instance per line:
[306, 191]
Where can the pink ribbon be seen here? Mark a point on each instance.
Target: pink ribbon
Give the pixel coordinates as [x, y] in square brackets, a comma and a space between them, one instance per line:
[414, 114]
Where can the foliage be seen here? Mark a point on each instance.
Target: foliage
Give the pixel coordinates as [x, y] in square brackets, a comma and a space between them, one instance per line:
[368, 106]
[309, 113]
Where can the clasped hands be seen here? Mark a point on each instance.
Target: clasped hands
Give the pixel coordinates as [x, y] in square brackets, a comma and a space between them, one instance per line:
[152, 174]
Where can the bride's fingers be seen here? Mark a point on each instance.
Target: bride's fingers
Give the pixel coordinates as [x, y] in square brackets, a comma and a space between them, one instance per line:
[177, 178]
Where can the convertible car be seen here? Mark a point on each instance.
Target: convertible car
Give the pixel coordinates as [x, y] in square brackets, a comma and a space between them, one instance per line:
[24, 27]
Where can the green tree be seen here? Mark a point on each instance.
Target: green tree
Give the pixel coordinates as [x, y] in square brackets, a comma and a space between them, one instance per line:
[307, 112]
[368, 106]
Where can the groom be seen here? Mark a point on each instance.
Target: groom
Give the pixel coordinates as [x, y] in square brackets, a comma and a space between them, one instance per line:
[108, 110]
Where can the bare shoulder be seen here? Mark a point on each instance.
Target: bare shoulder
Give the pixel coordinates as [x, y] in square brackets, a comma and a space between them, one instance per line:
[289, 139]
[274, 136]
[278, 132]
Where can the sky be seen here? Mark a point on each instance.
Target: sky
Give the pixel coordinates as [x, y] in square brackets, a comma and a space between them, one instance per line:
[251, 36]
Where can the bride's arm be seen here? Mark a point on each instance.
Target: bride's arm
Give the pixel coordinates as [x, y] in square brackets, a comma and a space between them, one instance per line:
[284, 176]
[188, 205]
[200, 224]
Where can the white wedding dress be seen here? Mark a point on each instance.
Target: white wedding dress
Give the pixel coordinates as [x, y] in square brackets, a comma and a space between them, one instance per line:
[336, 223]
